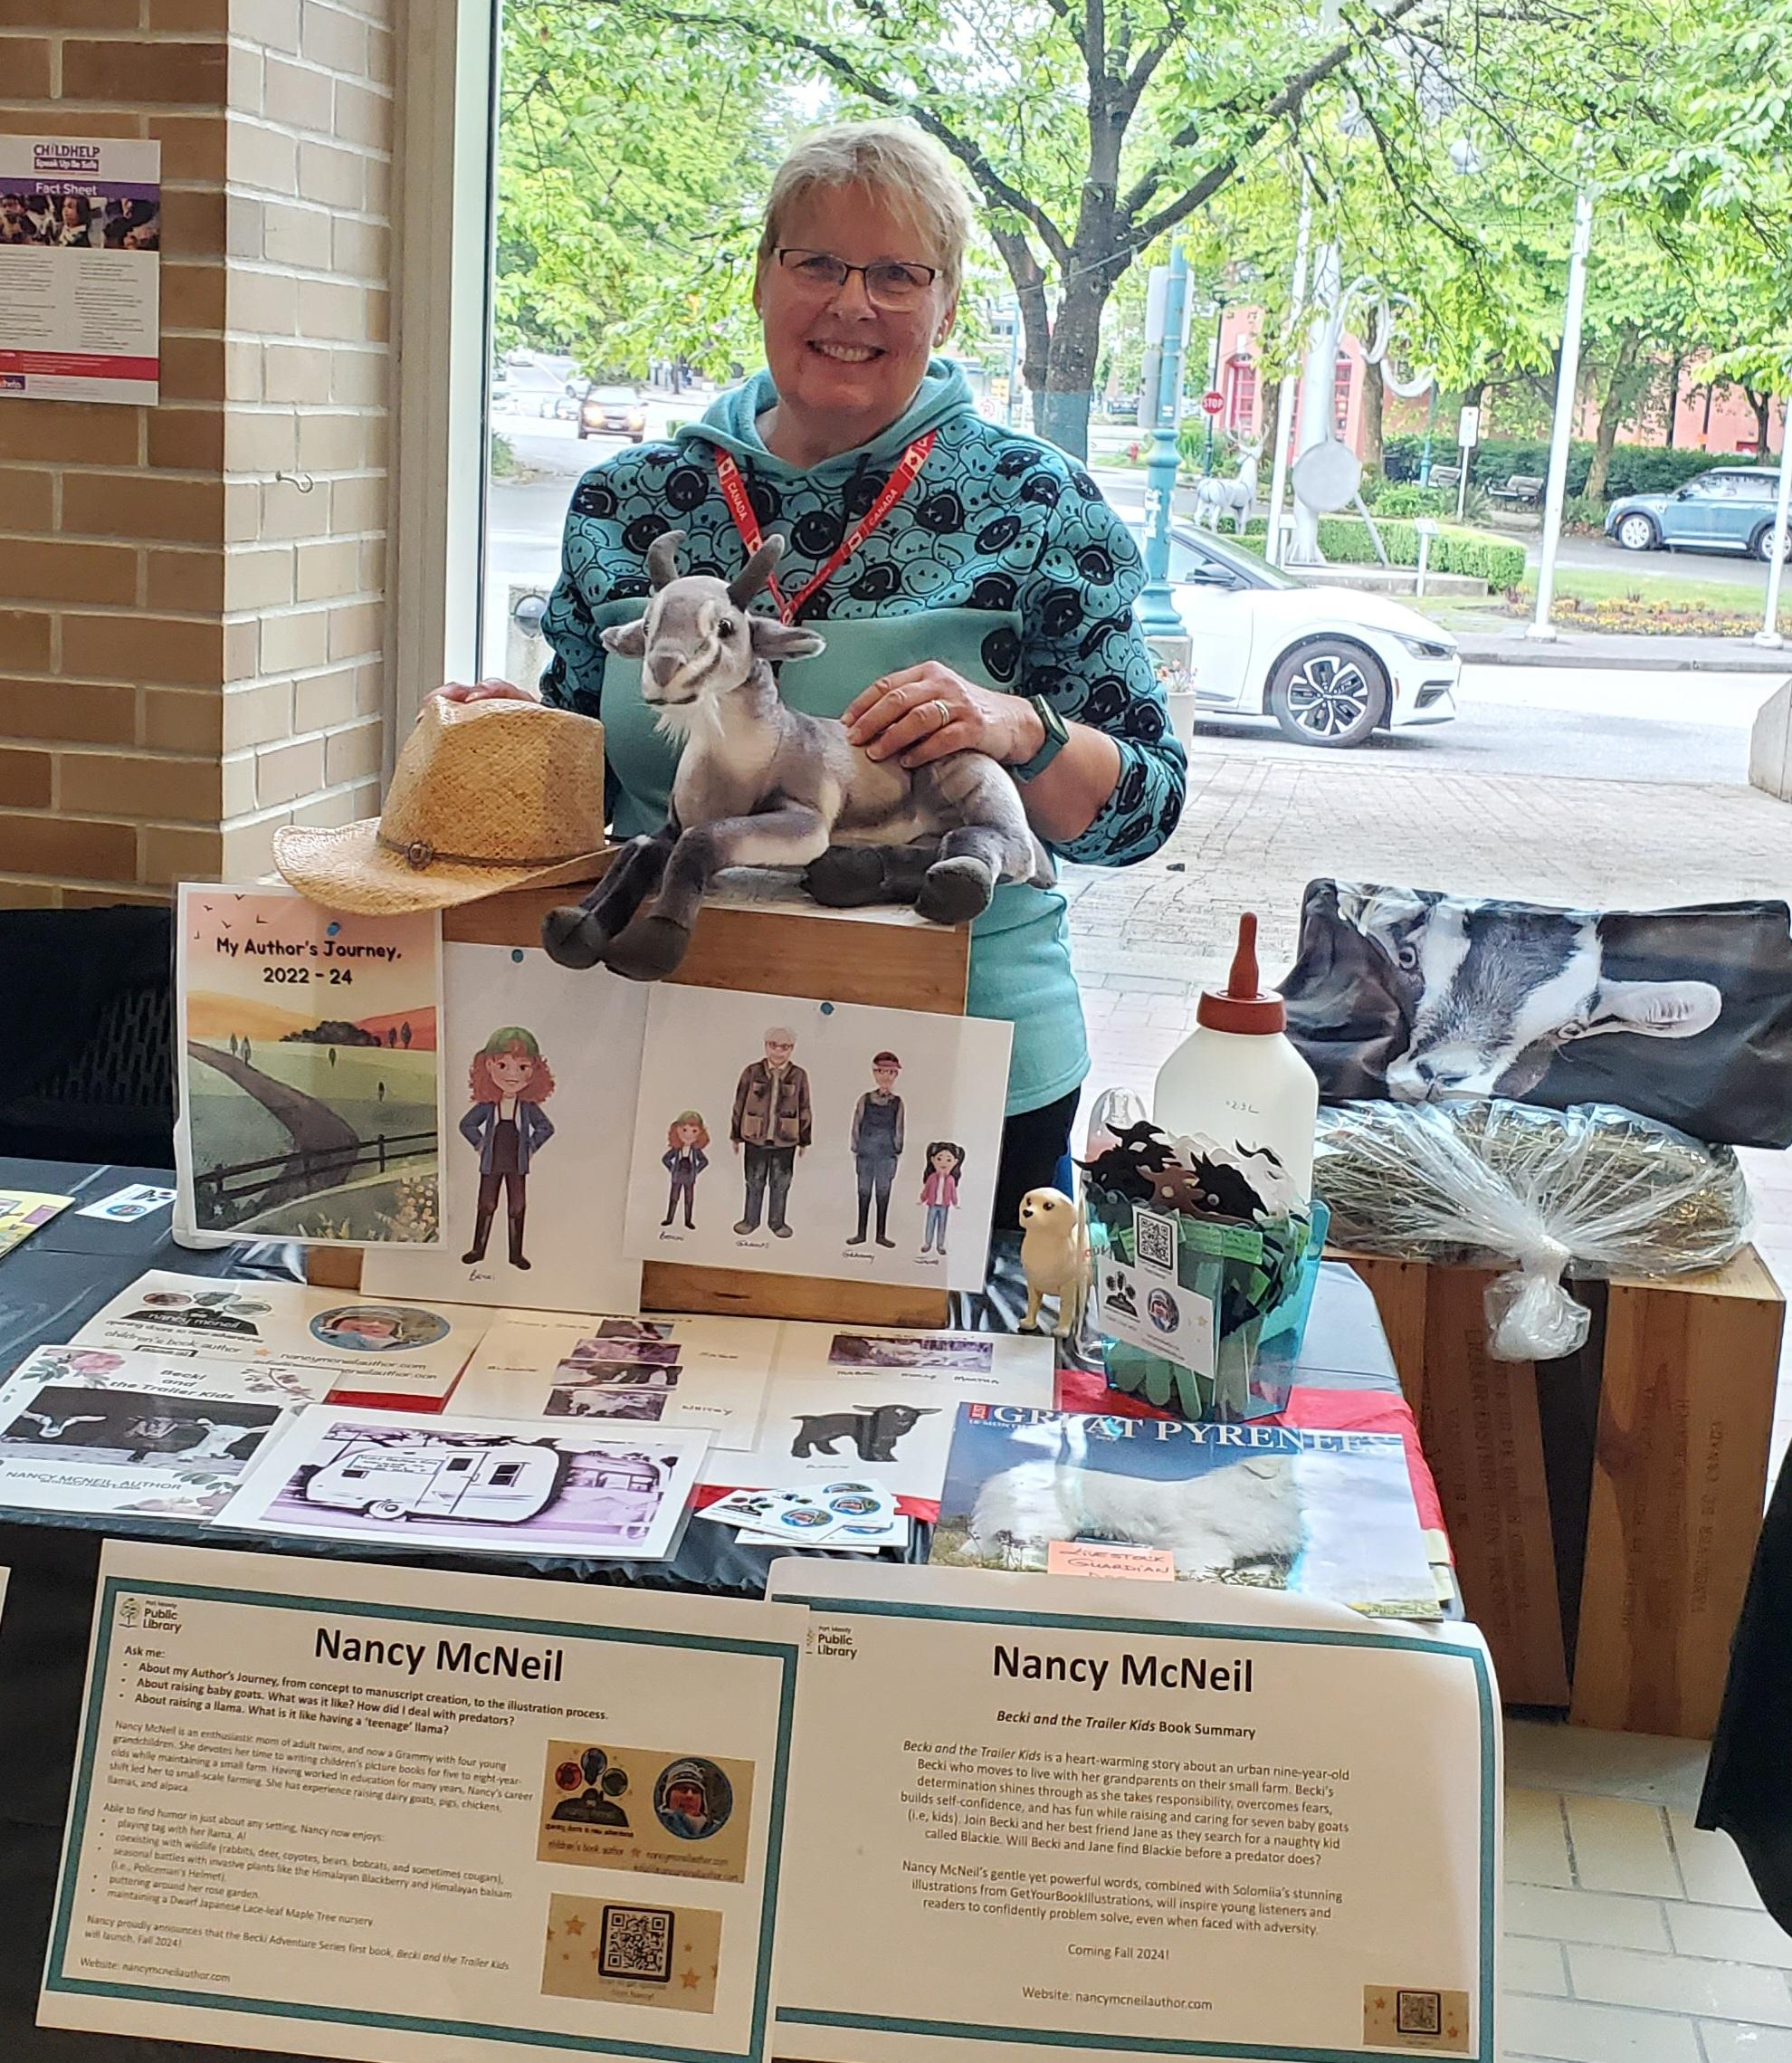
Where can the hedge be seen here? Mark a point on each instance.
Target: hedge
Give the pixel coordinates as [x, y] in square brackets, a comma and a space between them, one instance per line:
[1636, 469]
[1345, 540]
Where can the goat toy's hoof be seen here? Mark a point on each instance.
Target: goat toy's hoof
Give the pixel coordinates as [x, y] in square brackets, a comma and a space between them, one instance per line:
[572, 936]
[955, 891]
[847, 877]
[649, 950]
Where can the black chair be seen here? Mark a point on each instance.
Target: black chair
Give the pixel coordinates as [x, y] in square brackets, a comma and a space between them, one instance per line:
[87, 1035]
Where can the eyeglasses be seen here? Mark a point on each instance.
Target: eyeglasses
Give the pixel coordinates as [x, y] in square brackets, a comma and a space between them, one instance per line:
[890, 283]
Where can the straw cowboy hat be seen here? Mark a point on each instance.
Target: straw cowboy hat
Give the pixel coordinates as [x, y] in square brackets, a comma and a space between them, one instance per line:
[486, 795]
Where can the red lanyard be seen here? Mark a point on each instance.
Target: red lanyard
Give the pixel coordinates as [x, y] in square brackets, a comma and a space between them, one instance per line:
[734, 492]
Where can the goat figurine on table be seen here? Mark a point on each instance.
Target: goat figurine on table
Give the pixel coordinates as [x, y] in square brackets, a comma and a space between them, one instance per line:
[760, 784]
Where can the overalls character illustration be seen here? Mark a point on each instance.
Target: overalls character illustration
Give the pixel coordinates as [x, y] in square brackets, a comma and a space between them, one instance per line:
[939, 1190]
[684, 1160]
[877, 1145]
[771, 1125]
[509, 1082]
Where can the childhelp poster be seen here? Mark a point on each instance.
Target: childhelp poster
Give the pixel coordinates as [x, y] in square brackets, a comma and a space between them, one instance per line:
[309, 1097]
[820, 1139]
[538, 1068]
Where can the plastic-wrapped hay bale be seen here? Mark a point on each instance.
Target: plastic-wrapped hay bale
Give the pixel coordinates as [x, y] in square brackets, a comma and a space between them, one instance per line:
[1591, 1190]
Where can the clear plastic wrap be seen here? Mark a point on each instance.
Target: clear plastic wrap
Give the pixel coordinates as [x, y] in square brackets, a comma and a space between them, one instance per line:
[1591, 1190]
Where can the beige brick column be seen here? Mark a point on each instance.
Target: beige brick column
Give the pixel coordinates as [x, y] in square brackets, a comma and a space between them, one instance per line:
[191, 647]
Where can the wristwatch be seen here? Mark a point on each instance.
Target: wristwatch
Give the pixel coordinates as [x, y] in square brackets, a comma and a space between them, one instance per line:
[1057, 739]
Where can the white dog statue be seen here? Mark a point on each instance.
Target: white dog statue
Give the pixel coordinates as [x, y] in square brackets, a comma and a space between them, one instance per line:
[1054, 1258]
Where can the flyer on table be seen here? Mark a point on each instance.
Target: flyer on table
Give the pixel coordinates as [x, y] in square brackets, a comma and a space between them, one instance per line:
[310, 1093]
[1105, 1822]
[539, 1068]
[492, 1818]
[324, 1342]
[81, 232]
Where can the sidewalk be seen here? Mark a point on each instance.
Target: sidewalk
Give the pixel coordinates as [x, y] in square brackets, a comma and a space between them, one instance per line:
[1619, 651]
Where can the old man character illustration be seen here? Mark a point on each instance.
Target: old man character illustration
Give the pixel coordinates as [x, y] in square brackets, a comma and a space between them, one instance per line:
[771, 1125]
[877, 1145]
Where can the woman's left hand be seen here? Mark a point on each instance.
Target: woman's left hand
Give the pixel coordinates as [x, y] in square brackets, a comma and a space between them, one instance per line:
[923, 713]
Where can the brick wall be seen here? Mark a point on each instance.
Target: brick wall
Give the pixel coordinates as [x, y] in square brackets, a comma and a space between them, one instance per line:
[190, 648]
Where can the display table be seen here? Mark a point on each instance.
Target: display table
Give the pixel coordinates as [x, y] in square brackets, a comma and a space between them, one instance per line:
[59, 1277]
[1603, 1508]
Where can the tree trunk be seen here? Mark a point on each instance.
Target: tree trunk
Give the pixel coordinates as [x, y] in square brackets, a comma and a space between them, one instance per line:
[1069, 373]
[1612, 405]
[1762, 405]
[1675, 371]
[1373, 399]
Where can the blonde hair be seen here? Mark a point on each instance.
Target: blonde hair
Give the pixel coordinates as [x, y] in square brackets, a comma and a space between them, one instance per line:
[893, 160]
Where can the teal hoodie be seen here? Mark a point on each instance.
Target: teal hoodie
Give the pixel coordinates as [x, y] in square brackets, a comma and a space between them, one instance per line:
[1001, 561]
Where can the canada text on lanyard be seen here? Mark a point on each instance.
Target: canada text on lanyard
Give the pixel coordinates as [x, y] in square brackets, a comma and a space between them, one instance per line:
[734, 492]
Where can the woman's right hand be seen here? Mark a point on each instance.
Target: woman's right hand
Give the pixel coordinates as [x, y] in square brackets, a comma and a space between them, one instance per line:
[486, 690]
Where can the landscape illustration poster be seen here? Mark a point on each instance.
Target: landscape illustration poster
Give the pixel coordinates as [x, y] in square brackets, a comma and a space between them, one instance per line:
[310, 1092]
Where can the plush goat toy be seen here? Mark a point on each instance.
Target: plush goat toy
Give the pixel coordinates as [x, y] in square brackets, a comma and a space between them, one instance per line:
[759, 784]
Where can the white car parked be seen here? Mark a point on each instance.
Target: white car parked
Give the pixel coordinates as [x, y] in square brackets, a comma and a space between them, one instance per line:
[1332, 665]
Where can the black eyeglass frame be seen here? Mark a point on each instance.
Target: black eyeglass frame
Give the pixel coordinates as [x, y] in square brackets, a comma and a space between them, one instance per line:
[783, 251]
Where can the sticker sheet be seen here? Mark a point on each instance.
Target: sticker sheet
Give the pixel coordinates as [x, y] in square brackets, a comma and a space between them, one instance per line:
[707, 1373]
[539, 1068]
[328, 1342]
[82, 1429]
[125, 1206]
[310, 1099]
[481, 1486]
[875, 1409]
[816, 1139]
[21, 1211]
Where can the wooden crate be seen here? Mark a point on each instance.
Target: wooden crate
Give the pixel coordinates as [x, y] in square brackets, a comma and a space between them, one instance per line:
[885, 957]
[1603, 1509]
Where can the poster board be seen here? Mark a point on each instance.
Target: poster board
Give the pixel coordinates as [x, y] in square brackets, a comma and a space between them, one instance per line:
[757, 945]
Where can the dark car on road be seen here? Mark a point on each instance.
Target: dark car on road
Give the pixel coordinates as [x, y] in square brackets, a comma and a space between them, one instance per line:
[1729, 509]
[611, 412]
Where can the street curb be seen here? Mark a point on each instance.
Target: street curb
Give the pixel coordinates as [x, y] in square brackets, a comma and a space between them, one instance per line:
[1713, 657]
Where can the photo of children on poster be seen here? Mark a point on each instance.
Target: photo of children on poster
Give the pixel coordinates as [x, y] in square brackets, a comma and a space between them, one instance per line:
[539, 1065]
[311, 1097]
[813, 1138]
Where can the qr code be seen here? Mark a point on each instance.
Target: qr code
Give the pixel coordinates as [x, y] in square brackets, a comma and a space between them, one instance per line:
[1418, 2012]
[1154, 1238]
[636, 1942]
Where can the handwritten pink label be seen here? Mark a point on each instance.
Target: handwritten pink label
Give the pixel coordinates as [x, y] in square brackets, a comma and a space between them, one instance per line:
[1108, 1558]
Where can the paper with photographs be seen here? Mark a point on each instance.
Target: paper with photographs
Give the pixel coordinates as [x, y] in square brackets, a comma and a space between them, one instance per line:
[708, 1372]
[310, 1098]
[483, 1485]
[816, 1139]
[539, 1066]
[327, 1340]
[83, 1430]
[876, 1408]
[1327, 1514]
[22, 1211]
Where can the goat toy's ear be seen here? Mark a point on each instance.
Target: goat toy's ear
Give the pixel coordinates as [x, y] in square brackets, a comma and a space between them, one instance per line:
[773, 641]
[757, 571]
[662, 558]
[626, 640]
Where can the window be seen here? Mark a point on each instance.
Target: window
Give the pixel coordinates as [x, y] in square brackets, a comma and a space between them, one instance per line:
[505, 1474]
[1340, 393]
[1241, 396]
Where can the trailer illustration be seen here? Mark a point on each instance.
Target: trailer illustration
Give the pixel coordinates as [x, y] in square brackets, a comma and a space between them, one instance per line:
[504, 1484]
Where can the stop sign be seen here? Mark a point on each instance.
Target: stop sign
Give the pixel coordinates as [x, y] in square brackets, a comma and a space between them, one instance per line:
[1213, 401]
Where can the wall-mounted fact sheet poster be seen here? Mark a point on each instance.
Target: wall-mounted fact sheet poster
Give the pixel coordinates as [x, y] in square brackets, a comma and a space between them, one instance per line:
[491, 1819]
[80, 234]
[1118, 1819]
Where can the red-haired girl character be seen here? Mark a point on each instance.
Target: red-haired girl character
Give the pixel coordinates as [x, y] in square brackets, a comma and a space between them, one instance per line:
[506, 1127]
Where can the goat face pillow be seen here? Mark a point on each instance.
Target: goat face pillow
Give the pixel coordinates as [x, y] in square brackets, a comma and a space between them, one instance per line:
[1418, 996]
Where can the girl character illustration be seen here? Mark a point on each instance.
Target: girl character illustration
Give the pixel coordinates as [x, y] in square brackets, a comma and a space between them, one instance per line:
[684, 1160]
[939, 1189]
[509, 1082]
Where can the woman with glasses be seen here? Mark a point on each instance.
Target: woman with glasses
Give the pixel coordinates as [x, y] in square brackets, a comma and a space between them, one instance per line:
[973, 586]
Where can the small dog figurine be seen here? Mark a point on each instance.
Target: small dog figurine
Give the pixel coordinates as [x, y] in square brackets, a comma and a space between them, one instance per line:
[1055, 1257]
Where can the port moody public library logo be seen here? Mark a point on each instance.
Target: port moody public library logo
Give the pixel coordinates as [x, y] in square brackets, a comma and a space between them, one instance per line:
[65, 161]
